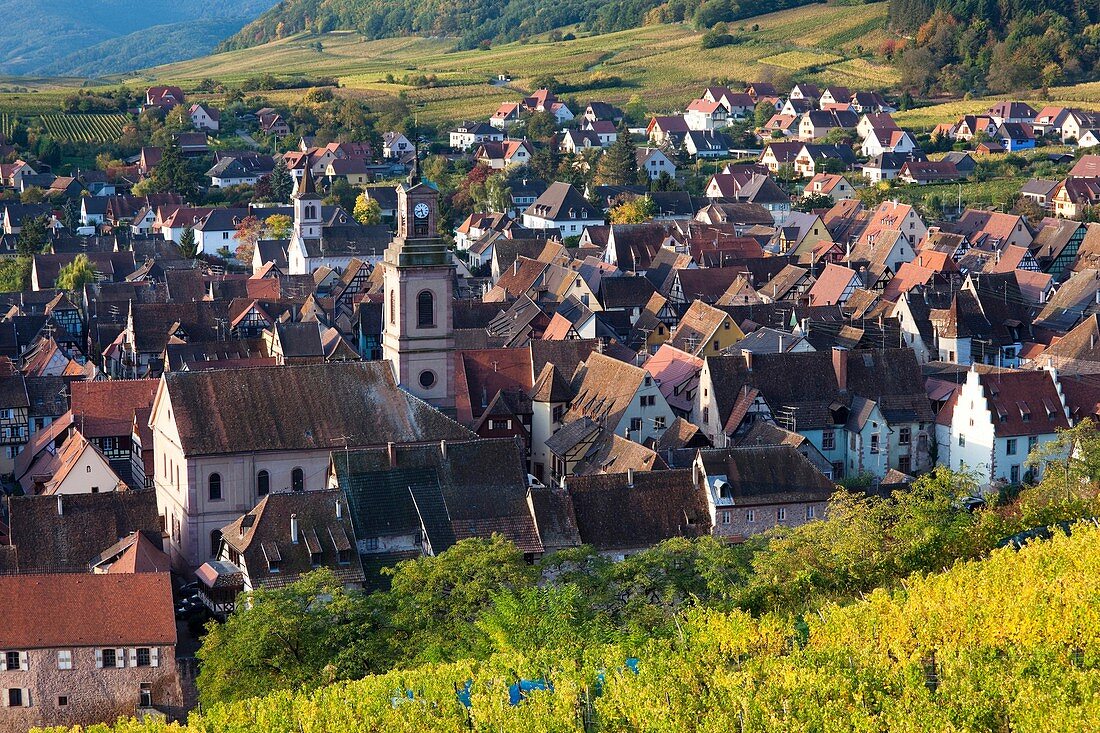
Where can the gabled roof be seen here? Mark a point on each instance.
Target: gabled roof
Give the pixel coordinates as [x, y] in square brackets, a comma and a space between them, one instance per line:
[128, 609]
[47, 541]
[300, 407]
[662, 505]
[446, 489]
[324, 530]
[106, 408]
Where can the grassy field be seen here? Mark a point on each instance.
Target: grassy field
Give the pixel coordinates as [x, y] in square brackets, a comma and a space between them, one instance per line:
[663, 64]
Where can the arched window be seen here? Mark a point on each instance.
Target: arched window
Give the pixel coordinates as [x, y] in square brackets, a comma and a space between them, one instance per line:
[425, 309]
[215, 542]
[393, 309]
[311, 212]
[297, 480]
[215, 483]
[263, 483]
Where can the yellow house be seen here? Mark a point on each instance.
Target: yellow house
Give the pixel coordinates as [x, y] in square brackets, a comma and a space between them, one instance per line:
[706, 331]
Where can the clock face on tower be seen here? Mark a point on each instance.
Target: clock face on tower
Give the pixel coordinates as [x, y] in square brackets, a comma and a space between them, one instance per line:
[420, 211]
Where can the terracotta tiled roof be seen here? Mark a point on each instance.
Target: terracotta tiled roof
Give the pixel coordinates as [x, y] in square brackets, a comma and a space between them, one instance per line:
[127, 609]
[106, 408]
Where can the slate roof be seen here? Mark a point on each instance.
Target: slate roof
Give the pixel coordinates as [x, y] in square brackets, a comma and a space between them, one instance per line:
[767, 474]
[48, 542]
[321, 536]
[300, 407]
[614, 514]
[453, 493]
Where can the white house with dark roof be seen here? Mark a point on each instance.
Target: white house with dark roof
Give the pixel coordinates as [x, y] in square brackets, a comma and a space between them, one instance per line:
[562, 207]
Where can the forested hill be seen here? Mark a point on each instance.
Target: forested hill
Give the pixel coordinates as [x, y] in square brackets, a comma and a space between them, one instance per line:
[94, 37]
[960, 46]
[477, 21]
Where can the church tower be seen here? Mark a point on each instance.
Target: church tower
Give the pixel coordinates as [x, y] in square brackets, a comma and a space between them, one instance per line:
[307, 208]
[418, 279]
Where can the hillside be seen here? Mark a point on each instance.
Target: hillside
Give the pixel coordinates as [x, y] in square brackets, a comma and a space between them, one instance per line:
[660, 63]
[486, 20]
[960, 46]
[1005, 643]
[96, 37]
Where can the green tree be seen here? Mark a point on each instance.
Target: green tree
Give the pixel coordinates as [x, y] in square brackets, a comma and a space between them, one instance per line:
[618, 165]
[763, 112]
[173, 174]
[367, 211]
[188, 246]
[281, 181]
[33, 236]
[308, 633]
[542, 126]
[811, 201]
[76, 274]
[434, 601]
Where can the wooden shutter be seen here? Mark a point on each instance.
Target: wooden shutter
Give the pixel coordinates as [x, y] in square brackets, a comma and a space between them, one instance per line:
[120, 658]
[154, 657]
[99, 658]
[26, 697]
[24, 661]
[133, 657]
[7, 700]
[3, 661]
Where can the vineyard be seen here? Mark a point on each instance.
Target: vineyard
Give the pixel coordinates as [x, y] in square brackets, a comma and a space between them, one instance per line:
[1009, 643]
[85, 128]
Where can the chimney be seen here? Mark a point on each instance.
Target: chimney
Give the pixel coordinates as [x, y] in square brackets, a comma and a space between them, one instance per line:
[294, 528]
[60, 505]
[339, 510]
[630, 478]
[443, 449]
[391, 449]
[748, 358]
[840, 367]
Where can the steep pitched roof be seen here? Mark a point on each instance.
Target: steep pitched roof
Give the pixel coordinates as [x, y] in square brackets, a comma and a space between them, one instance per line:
[300, 407]
[662, 505]
[128, 609]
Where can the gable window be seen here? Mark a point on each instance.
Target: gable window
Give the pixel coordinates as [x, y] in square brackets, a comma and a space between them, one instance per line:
[828, 440]
[298, 480]
[343, 557]
[263, 483]
[648, 400]
[425, 310]
[215, 485]
[659, 423]
[635, 425]
[874, 443]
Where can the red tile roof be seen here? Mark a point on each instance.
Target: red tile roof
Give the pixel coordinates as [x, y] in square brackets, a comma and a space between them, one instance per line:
[104, 409]
[86, 609]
